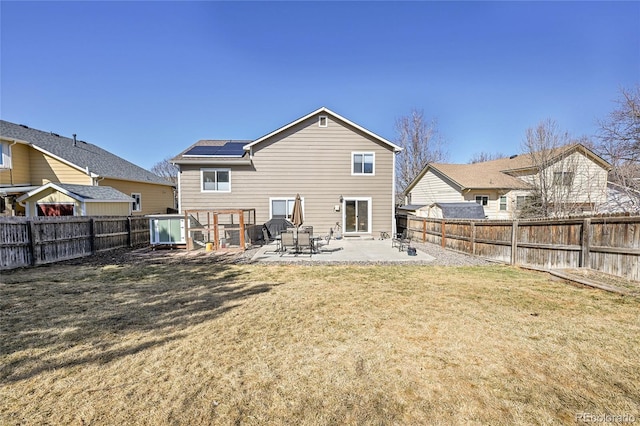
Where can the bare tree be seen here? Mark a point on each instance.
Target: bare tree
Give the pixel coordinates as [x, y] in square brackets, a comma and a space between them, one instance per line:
[561, 184]
[422, 144]
[481, 157]
[619, 143]
[166, 170]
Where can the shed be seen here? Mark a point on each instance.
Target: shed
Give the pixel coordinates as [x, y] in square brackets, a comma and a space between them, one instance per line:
[61, 199]
[466, 210]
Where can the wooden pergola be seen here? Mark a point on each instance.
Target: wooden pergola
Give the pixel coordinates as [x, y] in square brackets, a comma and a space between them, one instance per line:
[226, 229]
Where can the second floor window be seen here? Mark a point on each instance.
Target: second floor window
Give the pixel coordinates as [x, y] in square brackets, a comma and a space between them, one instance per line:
[483, 200]
[363, 163]
[563, 178]
[216, 180]
[136, 204]
[503, 202]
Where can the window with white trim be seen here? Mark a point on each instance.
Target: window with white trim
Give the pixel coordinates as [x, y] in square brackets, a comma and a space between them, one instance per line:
[5, 156]
[522, 201]
[282, 208]
[215, 180]
[503, 202]
[136, 204]
[483, 200]
[563, 178]
[363, 163]
[323, 121]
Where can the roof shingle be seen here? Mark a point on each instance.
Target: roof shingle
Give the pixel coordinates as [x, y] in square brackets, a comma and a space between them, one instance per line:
[81, 154]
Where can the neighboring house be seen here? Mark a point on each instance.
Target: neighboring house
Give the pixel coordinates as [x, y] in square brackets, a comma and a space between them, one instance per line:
[502, 186]
[343, 173]
[620, 200]
[32, 158]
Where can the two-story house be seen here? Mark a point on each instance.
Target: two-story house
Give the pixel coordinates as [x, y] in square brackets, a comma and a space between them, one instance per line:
[573, 175]
[43, 173]
[343, 172]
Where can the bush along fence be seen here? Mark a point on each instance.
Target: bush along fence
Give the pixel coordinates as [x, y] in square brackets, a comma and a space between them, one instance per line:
[40, 240]
[606, 244]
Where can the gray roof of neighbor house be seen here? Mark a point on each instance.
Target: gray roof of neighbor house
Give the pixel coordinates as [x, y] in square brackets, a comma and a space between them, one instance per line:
[102, 193]
[81, 154]
[467, 210]
[85, 192]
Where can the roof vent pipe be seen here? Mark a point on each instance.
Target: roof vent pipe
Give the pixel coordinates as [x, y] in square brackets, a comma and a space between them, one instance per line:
[75, 142]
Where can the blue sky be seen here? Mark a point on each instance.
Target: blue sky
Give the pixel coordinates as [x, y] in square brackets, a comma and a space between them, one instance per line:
[145, 80]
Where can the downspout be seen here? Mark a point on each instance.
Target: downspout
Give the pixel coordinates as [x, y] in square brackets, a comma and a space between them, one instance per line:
[179, 189]
[393, 195]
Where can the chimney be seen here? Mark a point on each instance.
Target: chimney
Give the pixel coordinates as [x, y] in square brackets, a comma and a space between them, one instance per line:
[75, 143]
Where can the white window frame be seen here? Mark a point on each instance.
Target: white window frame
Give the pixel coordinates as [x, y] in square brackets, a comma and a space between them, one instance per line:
[137, 201]
[289, 210]
[323, 121]
[521, 201]
[506, 203]
[216, 170]
[482, 197]
[5, 155]
[373, 163]
[563, 178]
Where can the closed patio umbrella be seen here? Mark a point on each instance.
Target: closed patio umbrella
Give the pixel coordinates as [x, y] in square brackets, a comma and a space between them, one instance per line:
[296, 216]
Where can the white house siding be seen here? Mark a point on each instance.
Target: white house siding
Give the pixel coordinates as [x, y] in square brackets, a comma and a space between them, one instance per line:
[306, 159]
[432, 189]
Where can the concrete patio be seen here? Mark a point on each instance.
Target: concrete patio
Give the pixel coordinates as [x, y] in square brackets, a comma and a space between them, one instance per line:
[343, 250]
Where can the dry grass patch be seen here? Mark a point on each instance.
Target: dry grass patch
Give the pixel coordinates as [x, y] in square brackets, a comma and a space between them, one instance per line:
[202, 343]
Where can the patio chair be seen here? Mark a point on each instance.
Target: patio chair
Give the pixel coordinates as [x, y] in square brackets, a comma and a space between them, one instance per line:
[401, 241]
[305, 243]
[287, 242]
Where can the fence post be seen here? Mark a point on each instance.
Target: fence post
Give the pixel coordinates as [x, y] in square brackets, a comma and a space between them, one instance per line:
[443, 233]
[31, 232]
[129, 237]
[585, 243]
[473, 238]
[424, 230]
[242, 240]
[514, 241]
[92, 238]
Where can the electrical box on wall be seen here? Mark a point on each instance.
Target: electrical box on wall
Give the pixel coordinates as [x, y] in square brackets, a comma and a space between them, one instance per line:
[336, 207]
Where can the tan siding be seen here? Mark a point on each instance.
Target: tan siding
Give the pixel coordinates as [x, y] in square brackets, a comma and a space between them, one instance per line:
[45, 169]
[431, 189]
[155, 199]
[306, 159]
[107, 209]
[19, 172]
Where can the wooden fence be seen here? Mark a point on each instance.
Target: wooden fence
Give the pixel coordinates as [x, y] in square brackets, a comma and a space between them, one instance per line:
[40, 240]
[605, 244]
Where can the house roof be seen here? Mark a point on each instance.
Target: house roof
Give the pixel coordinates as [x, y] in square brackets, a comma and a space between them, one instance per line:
[466, 210]
[497, 174]
[81, 155]
[85, 193]
[212, 156]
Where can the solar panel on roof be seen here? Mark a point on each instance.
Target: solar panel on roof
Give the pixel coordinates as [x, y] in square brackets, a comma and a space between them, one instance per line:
[230, 149]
